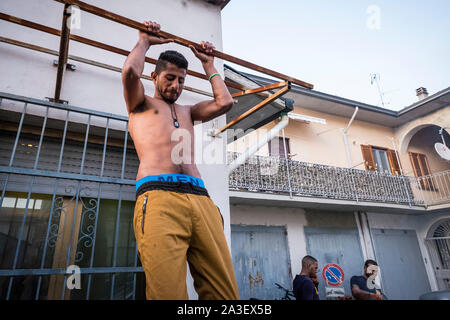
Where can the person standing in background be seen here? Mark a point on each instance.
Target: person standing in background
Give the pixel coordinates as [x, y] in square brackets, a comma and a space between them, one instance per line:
[304, 287]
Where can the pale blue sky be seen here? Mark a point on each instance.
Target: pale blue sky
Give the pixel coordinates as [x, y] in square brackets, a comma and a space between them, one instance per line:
[328, 43]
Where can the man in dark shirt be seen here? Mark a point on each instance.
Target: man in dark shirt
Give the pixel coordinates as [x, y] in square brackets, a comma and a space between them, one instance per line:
[363, 287]
[304, 288]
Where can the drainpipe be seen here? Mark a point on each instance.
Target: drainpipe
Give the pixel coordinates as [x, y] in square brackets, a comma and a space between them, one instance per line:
[365, 226]
[396, 155]
[362, 236]
[261, 142]
[347, 149]
[287, 164]
[344, 133]
[367, 235]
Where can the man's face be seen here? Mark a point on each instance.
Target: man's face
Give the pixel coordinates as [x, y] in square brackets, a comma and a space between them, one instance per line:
[371, 270]
[314, 278]
[170, 82]
[313, 267]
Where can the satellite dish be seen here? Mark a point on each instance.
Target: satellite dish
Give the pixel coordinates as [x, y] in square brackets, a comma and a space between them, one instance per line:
[442, 150]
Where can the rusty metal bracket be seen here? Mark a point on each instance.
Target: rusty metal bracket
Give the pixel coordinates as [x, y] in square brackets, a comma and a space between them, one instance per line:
[69, 66]
[260, 89]
[286, 87]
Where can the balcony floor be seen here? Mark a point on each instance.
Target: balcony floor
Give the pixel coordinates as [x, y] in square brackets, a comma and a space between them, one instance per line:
[280, 200]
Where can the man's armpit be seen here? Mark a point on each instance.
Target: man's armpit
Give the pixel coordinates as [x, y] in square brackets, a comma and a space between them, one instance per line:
[144, 106]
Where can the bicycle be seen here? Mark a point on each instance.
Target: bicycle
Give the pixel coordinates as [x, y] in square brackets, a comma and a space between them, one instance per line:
[288, 295]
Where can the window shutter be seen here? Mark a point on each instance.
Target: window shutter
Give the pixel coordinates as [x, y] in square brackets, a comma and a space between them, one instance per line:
[415, 164]
[395, 166]
[424, 164]
[369, 161]
[420, 166]
[426, 171]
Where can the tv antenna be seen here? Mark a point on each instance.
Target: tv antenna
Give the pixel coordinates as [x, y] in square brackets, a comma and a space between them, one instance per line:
[375, 77]
[441, 148]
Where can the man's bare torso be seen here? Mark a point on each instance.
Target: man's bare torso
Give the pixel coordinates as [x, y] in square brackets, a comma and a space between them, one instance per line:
[151, 127]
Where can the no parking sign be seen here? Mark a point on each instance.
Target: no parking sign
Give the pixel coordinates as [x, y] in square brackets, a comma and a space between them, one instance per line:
[333, 275]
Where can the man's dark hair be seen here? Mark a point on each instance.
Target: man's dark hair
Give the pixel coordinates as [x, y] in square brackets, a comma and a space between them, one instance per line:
[369, 262]
[308, 260]
[173, 57]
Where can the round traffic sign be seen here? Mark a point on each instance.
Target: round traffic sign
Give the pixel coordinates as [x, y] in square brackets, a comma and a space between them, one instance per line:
[333, 275]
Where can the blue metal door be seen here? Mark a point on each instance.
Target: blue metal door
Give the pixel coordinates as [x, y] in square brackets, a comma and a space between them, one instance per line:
[402, 269]
[261, 258]
[335, 245]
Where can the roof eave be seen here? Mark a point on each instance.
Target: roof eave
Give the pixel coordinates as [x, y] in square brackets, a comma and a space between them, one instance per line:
[400, 117]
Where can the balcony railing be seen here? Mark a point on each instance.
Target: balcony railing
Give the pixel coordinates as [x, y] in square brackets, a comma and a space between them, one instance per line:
[434, 188]
[279, 175]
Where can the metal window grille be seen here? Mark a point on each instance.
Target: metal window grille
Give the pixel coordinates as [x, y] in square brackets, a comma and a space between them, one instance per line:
[67, 198]
[439, 249]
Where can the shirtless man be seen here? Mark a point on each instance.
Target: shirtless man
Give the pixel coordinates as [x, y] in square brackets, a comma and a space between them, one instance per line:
[174, 219]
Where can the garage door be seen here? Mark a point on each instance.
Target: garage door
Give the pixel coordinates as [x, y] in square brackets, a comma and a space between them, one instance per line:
[400, 260]
[335, 245]
[260, 258]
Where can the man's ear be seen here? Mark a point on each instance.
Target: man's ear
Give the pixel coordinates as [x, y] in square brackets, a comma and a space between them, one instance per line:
[153, 75]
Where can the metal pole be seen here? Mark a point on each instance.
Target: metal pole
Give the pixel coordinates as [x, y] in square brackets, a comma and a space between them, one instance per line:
[19, 129]
[19, 239]
[347, 148]
[287, 164]
[52, 205]
[261, 142]
[63, 51]
[77, 197]
[41, 139]
[99, 190]
[344, 132]
[118, 212]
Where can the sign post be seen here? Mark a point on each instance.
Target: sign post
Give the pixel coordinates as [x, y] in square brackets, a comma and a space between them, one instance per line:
[333, 275]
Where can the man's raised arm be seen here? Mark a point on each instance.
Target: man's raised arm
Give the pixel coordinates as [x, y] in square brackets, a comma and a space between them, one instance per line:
[133, 89]
[223, 102]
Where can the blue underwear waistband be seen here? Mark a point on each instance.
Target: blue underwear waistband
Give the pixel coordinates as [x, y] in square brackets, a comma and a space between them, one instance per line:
[171, 178]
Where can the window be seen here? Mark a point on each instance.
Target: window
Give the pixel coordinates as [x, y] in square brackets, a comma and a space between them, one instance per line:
[67, 217]
[276, 147]
[421, 169]
[380, 159]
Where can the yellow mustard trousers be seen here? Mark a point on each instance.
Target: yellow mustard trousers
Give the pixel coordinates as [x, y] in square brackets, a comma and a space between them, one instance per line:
[172, 228]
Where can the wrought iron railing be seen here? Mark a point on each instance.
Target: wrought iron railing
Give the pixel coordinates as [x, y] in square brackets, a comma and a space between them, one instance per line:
[279, 175]
[434, 189]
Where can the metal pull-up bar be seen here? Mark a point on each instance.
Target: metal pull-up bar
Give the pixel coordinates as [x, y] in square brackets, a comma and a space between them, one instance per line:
[65, 36]
[93, 43]
[140, 26]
